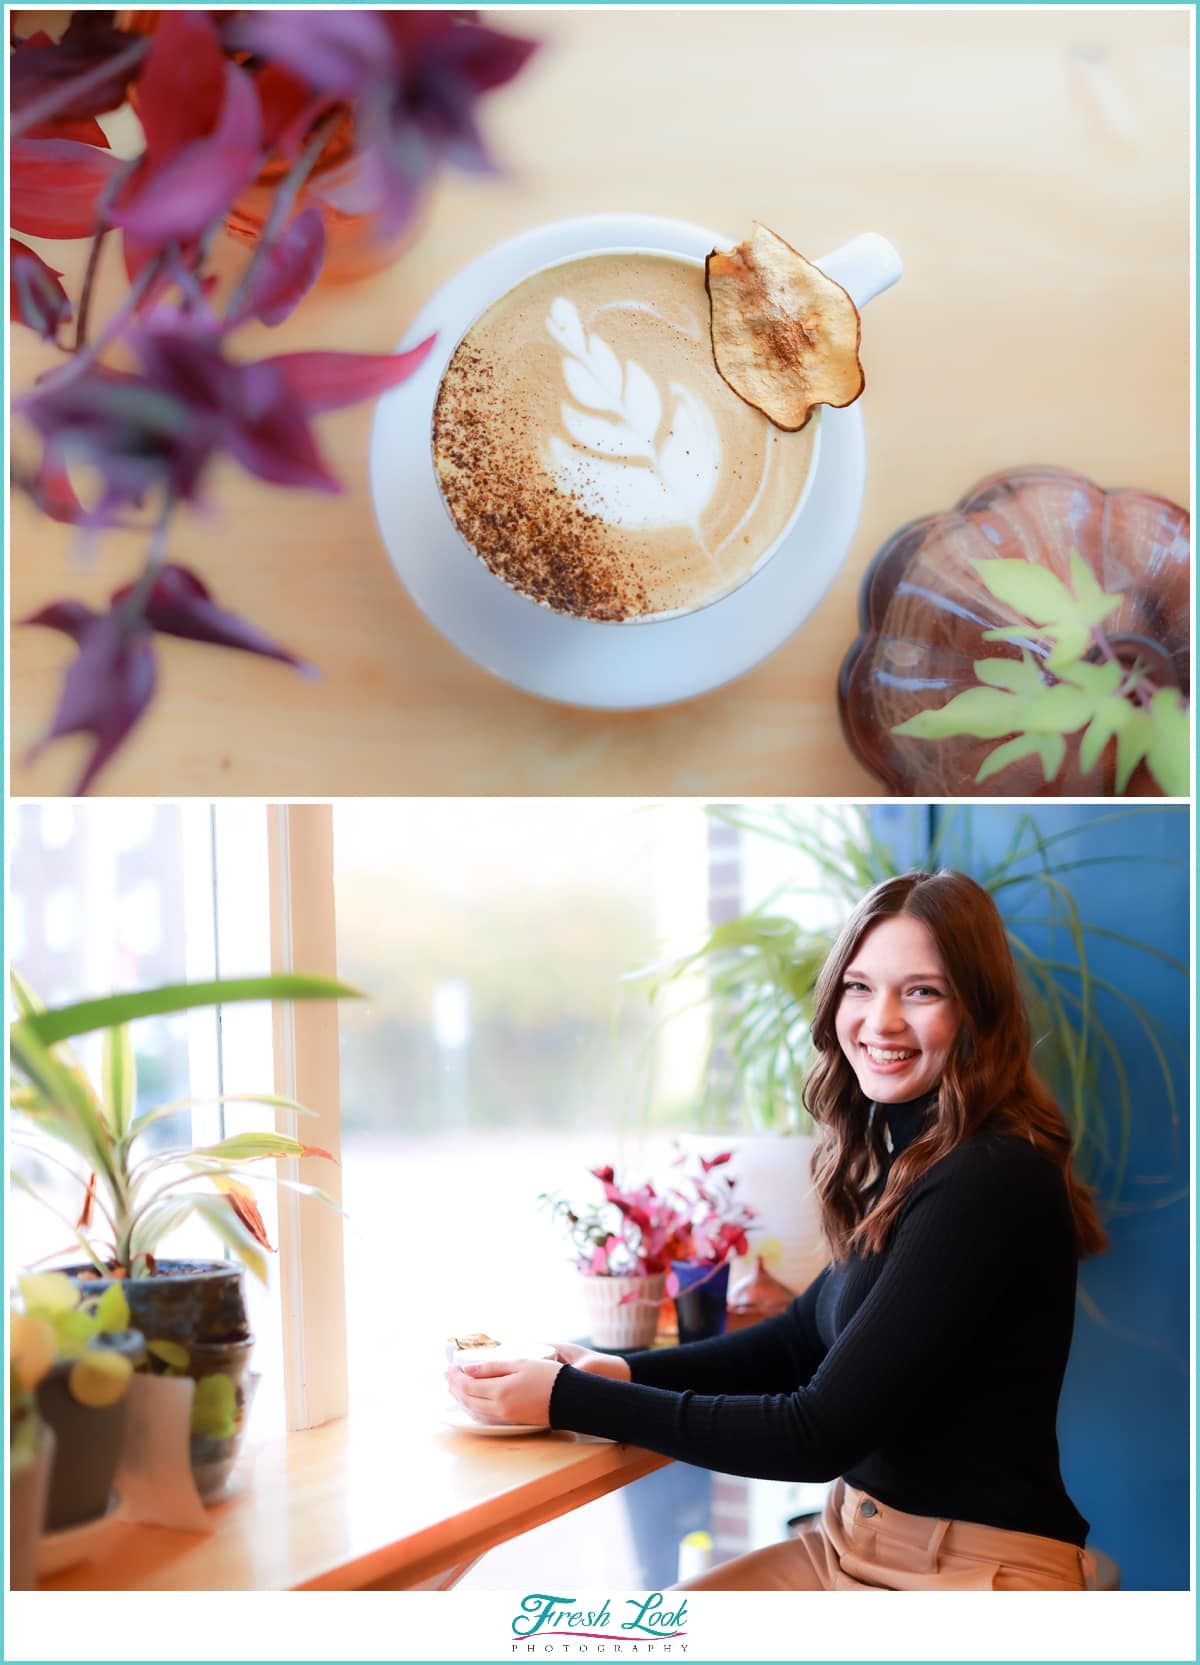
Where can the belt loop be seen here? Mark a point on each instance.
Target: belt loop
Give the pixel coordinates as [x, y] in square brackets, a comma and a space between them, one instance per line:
[939, 1532]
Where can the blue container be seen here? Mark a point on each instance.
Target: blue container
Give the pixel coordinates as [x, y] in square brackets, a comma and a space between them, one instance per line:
[700, 1302]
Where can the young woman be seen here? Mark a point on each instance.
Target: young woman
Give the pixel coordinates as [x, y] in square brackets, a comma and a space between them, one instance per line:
[921, 1370]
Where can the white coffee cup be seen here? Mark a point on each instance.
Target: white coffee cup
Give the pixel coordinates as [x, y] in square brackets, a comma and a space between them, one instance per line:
[553, 654]
[866, 264]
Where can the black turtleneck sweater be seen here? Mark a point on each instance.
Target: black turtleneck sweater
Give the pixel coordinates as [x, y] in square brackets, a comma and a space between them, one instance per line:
[927, 1374]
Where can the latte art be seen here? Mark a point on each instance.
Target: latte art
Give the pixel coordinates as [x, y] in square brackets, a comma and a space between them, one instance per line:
[590, 453]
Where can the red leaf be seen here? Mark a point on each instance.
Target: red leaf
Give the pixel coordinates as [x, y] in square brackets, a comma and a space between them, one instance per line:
[244, 1206]
[84, 128]
[289, 270]
[177, 199]
[55, 186]
[89, 1197]
[183, 84]
[326, 381]
[35, 296]
[316, 1150]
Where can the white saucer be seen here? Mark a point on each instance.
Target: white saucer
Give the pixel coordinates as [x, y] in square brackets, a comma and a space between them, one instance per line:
[579, 661]
[464, 1424]
[56, 1551]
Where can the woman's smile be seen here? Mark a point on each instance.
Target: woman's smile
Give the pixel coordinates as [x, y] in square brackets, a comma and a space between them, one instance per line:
[897, 1017]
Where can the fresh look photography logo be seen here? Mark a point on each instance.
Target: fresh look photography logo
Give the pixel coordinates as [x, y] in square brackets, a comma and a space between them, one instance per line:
[631, 1627]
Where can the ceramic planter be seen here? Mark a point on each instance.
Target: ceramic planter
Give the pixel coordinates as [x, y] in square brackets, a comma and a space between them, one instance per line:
[87, 1440]
[198, 1305]
[701, 1298]
[616, 1322]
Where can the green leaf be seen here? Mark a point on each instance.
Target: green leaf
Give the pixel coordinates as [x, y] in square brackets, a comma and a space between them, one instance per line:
[1029, 590]
[1019, 676]
[84, 1016]
[245, 1147]
[47, 1293]
[1058, 710]
[1095, 604]
[172, 1354]
[158, 1221]
[1110, 719]
[70, 1095]
[985, 712]
[26, 1001]
[1169, 752]
[1071, 639]
[217, 1214]
[214, 1407]
[273, 1101]
[118, 1076]
[1051, 748]
[99, 1378]
[112, 1309]
[1100, 681]
[1134, 740]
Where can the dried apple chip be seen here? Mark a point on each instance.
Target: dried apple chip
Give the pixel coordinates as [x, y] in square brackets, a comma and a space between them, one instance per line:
[784, 336]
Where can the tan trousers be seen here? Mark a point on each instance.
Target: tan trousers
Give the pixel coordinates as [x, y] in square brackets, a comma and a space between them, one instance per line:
[859, 1543]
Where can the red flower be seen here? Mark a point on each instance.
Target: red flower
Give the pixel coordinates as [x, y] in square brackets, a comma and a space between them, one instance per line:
[35, 296]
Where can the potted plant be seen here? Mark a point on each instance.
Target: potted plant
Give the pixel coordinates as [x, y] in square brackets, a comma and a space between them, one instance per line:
[716, 1231]
[623, 1246]
[78, 1354]
[192, 1313]
[293, 130]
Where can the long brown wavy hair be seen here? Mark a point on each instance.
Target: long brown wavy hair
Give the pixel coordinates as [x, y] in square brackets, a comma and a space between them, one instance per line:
[989, 1080]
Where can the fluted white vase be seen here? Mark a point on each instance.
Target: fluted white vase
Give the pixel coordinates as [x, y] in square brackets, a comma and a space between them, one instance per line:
[615, 1321]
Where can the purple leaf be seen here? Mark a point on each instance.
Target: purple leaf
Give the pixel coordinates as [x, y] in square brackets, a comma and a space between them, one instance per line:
[289, 271]
[269, 435]
[35, 296]
[41, 67]
[108, 686]
[181, 604]
[177, 199]
[334, 51]
[326, 381]
[55, 185]
[73, 618]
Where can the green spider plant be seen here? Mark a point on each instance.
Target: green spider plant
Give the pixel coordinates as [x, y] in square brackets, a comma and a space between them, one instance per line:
[133, 1195]
[757, 975]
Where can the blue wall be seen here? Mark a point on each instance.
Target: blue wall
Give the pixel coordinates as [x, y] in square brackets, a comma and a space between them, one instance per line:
[1123, 1424]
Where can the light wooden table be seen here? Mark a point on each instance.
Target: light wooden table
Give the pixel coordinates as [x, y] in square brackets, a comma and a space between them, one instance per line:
[356, 1506]
[1032, 169]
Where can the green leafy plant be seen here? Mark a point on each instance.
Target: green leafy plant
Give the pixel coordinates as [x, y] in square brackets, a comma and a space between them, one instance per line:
[133, 1196]
[756, 975]
[56, 1323]
[1078, 686]
[214, 1403]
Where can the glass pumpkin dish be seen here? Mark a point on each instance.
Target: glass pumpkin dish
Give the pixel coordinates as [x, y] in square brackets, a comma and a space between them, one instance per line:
[924, 608]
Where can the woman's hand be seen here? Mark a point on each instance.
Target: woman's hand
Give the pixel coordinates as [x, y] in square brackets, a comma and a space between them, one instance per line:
[510, 1390]
[596, 1364]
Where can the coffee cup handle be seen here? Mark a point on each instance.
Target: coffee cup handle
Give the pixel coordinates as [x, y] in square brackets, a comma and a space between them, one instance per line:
[865, 266]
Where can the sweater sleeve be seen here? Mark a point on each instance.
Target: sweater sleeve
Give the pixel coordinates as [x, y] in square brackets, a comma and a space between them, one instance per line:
[772, 1357]
[968, 1230]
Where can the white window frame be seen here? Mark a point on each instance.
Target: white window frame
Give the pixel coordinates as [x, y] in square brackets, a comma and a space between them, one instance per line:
[311, 1263]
